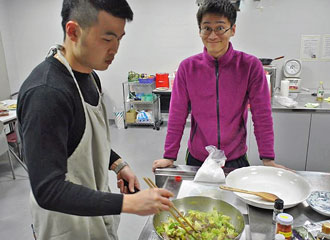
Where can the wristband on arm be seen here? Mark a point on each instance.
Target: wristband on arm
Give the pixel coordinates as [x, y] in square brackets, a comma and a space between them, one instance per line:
[120, 166]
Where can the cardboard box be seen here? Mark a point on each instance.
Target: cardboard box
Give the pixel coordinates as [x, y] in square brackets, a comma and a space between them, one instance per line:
[131, 116]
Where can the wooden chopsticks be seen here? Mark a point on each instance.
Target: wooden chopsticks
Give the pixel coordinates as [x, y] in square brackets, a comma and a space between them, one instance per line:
[151, 184]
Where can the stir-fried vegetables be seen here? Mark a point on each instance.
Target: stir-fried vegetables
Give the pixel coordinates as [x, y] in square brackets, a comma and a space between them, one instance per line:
[209, 225]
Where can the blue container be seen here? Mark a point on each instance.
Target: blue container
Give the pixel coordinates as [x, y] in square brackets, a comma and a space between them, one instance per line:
[147, 80]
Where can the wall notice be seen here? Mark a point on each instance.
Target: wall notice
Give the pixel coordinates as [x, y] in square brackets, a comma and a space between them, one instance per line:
[310, 47]
[325, 50]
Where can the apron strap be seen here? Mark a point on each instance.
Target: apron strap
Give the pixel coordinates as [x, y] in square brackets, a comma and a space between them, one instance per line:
[57, 49]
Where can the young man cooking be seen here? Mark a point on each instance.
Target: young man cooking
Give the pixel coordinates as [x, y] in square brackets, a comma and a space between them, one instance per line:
[65, 131]
[218, 84]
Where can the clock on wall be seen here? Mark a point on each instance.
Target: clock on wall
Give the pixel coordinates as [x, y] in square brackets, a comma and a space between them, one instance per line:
[292, 70]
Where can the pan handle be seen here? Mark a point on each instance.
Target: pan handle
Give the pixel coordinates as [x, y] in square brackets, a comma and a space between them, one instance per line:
[278, 58]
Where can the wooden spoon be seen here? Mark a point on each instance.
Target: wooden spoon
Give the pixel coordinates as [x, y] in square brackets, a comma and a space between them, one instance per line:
[264, 195]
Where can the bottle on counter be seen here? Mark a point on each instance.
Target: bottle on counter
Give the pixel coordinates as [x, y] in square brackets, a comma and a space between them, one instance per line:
[284, 225]
[171, 78]
[278, 208]
[320, 92]
[325, 234]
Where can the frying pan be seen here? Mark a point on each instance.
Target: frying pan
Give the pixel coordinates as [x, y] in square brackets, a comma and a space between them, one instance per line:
[268, 61]
[204, 204]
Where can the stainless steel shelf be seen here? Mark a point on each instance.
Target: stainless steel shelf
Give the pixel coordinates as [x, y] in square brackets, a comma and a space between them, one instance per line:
[141, 84]
[153, 106]
[142, 102]
[142, 123]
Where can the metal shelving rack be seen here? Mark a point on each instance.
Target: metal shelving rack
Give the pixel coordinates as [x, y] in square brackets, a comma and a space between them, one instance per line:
[138, 105]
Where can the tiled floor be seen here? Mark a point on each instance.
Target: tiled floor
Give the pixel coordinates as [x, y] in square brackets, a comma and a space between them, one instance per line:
[137, 145]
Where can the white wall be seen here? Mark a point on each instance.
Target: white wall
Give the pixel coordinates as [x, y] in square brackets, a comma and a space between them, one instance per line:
[163, 33]
[276, 30]
[28, 29]
[4, 82]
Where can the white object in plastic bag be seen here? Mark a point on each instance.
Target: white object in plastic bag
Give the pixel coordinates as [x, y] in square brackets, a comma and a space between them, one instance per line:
[211, 171]
[144, 116]
[286, 101]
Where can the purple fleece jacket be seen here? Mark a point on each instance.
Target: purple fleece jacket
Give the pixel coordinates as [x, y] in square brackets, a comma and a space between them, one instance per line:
[219, 117]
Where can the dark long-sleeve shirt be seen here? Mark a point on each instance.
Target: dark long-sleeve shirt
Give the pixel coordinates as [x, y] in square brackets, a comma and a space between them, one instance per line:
[52, 123]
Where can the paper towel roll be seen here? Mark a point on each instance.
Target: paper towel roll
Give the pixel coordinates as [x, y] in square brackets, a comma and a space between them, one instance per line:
[285, 88]
[268, 81]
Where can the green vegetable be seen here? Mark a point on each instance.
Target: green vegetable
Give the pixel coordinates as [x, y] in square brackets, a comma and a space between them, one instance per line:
[209, 225]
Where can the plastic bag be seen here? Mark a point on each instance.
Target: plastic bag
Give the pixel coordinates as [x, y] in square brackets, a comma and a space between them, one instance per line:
[211, 171]
[119, 117]
[286, 101]
[144, 116]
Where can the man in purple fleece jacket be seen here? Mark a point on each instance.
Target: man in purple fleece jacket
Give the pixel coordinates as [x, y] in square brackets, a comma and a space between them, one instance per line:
[218, 84]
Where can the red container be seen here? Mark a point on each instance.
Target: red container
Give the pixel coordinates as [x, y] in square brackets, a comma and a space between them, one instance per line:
[162, 80]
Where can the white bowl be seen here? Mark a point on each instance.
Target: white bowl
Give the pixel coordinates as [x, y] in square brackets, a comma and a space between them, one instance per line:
[289, 186]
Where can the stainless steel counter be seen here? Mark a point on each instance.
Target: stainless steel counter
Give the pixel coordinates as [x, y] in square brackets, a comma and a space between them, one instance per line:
[302, 99]
[258, 221]
[148, 232]
[261, 219]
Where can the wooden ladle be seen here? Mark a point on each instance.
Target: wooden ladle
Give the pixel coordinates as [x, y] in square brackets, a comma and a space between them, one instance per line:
[264, 195]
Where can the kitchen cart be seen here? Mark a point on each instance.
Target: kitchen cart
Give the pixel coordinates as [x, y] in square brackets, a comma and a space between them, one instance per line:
[141, 106]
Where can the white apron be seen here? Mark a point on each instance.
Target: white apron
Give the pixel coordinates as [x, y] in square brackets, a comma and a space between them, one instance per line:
[88, 166]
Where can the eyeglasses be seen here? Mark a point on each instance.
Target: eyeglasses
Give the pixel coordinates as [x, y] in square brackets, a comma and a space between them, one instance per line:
[205, 31]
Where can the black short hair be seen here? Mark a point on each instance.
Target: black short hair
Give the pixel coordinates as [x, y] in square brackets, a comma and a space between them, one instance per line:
[85, 12]
[219, 7]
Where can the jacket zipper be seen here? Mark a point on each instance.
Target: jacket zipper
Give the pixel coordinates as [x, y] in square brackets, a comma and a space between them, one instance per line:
[194, 131]
[218, 104]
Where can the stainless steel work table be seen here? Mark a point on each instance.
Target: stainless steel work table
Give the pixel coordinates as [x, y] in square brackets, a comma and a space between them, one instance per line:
[302, 99]
[258, 221]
